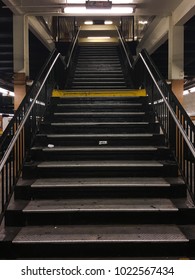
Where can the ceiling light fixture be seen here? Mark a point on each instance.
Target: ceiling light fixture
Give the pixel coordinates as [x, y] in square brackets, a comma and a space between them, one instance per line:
[108, 22]
[113, 1]
[122, 1]
[143, 22]
[192, 89]
[83, 11]
[99, 38]
[6, 92]
[88, 22]
[188, 91]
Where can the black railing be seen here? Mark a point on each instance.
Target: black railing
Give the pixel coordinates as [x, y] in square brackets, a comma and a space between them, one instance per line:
[175, 122]
[127, 58]
[69, 58]
[20, 133]
[72, 48]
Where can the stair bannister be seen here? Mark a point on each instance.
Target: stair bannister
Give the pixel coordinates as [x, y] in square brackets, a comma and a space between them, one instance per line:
[177, 126]
[19, 134]
[125, 49]
[127, 59]
[75, 40]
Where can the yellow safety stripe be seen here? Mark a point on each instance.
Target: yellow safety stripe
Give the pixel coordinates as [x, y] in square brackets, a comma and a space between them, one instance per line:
[99, 93]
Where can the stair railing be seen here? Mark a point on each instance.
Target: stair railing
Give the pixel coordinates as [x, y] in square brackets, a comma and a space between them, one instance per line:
[127, 59]
[72, 49]
[177, 126]
[19, 135]
[125, 49]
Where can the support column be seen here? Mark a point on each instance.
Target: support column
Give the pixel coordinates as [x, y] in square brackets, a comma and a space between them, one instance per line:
[177, 87]
[21, 57]
[19, 88]
[176, 59]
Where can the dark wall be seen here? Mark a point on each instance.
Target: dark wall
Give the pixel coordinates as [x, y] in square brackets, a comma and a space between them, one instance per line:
[160, 57]
[6, 47]
[38, 54]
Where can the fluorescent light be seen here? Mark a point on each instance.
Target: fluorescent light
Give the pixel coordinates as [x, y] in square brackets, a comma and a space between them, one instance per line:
[143, 22]
[75, 1]
[6, 92]
[88, 22]
[122, 1]
[186, 92]
[84, 11]
[99, 38]
[113, 1]
[108, 22]
[192, 89]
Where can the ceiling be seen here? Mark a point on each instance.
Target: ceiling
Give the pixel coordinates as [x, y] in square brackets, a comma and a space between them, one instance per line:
[155, 12]
[143, 7]
[145, 10]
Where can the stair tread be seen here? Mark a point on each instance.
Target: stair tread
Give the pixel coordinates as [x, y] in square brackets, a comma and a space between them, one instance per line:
[99, 148]
[99, 104]
[102, 163]
[133, 135]
[97, 123]
[99, 74]
[83, 79]
[99, 87]
[88, 182]
[128, 204]
[102, 114]
[100, 234]
[98, 82]
[96, 71]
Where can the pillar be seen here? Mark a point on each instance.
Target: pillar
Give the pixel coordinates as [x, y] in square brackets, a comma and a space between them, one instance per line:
[21, 57]
[176, 59]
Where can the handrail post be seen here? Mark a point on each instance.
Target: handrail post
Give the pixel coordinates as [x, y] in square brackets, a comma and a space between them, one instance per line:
[18, 136]
[176, 124]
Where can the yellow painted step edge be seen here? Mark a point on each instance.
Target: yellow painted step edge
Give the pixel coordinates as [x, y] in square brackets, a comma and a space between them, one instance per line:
[94, 93]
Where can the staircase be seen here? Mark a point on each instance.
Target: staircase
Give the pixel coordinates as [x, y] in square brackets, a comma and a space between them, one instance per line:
[99, 183]
[98, 66]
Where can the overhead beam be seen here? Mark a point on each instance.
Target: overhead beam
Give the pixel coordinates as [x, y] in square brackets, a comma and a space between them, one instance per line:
[38, 30]
[157, 32]
[12, 5]
[183, 12]
[155, 36]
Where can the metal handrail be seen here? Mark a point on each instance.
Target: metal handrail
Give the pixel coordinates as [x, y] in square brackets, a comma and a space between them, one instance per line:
[20, 133]
[191, 147]
[178, 129]
[17, 133]
[73, 47]
[124, 48]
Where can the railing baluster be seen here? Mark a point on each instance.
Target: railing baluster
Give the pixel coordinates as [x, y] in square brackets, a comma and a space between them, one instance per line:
[16, 139]
[176, 124]
[3, 189]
